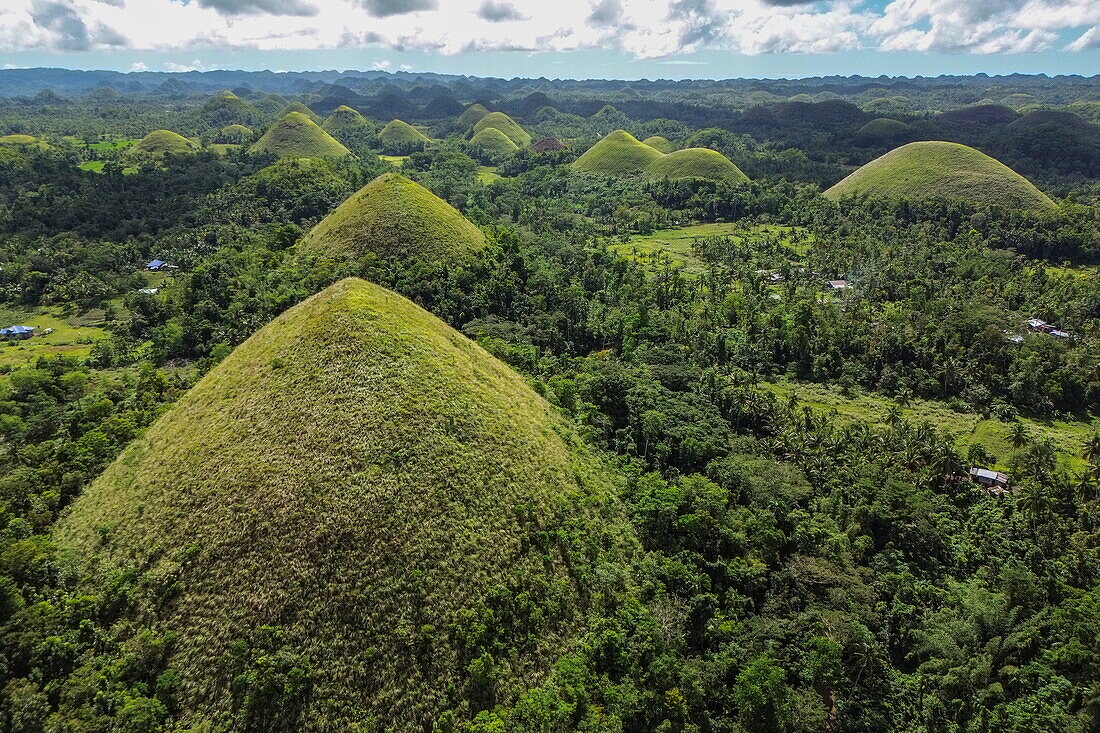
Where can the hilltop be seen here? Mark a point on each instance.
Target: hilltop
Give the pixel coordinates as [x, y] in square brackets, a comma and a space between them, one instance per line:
[933, 170]
[505, 124]
[366, 480]
[296, 136]
[300, 109]
[234, 134]
[22, 141]
[350, 128]
[400, 138]
[472, 115]
[393, 217]
[882, 130]
[226, 108]
[617, 154]
[660, 143]
[695, 163]
[160, 142]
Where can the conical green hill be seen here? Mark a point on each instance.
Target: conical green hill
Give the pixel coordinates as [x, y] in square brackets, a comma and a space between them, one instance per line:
[942, 170]
[657, 142]
[159, 142]
[696, 163]
[22, 141]
[393, 217]
[344, 119]
[346, 495]
[492, 143]
[472, 115]
[296, 136]
[399, 138]
[505, 124]
[617, 154]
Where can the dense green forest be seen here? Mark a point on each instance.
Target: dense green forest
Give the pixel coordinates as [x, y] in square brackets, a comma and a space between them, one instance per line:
[789, 390]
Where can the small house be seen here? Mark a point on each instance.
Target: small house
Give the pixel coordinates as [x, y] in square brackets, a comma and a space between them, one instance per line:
[1057, 333]
[1014, 338]
[19, 333]
[156, 265]
[149, 291]
[1037, 324]
[838, 284]
[994, 481]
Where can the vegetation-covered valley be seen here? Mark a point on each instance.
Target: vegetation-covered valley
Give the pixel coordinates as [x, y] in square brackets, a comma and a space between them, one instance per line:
[403, 403]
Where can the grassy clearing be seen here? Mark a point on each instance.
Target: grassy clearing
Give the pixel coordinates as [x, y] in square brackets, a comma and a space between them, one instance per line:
[968, 428]
[72, 335]
[488, 174]
[932, 170]
[676, 244]
[395, 160]
[363, 476]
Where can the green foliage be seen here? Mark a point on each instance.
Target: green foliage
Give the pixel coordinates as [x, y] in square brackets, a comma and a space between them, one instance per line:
[393, 218]
[296, 136]
[352, 129]
[942, 170]
[234, 135]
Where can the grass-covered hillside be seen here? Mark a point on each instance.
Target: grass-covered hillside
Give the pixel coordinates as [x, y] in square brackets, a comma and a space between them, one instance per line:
[300, 109]
[695, 163]
[942, 170]
[226, 108]
[160, 142]
[882, 130]
[505, 124]
[493, 144]
[234, 134]
[618, 154]
[472, 115]
[345, 120]
[296, 136]
[393, 217]
[657, 142]
[346, 515]
[400, 138]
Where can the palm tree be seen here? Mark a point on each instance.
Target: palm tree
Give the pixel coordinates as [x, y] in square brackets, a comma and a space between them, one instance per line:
[1035, 502]
[1018, 435]
[1092, 449]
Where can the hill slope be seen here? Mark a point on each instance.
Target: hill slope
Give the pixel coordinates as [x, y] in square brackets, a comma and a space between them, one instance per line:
[695, 163]
[370, 481]
[399, 137]
[472, 115]
[931, 170]
[393, 217]
[505, 124]
[492, 144]
[159, 142]
[618, 154]
[296, 136]
[657, 142]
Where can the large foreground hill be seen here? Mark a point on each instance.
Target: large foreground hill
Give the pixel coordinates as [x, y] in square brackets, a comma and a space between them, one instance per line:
[370, 482]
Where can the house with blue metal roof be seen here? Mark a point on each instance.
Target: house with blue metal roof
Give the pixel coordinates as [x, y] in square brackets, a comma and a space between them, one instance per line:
[17, 332]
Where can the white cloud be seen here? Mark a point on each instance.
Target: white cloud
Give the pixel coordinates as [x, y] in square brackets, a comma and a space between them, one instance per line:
[641, 28]
[139, 66]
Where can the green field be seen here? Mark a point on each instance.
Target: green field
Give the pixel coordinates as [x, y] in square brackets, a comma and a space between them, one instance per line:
[676, 244]
[967, 428]
[72, 335]
[395, 160]
[488, 174]
[96, 166]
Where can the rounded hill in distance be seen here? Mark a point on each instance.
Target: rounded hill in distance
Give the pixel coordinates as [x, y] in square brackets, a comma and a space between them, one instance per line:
[942, 170]
[393, 217]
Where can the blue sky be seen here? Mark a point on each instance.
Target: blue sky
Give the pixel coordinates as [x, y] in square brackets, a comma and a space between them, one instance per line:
[625, 39]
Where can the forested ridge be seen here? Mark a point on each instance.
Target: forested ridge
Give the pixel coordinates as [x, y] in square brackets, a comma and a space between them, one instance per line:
[798, 567]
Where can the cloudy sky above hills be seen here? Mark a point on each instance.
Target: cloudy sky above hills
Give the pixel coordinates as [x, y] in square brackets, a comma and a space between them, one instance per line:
[578, 38]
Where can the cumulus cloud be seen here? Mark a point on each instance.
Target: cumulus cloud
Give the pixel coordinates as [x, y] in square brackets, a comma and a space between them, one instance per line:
[496, 11]
[298, 8]
[651, 29]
